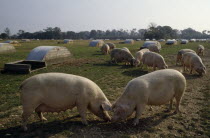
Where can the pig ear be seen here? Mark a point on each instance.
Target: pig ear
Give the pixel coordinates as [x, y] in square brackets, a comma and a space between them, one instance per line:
[106, 106]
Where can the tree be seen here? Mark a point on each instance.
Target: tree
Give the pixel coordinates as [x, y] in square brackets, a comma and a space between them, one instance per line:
[20, 34]
[7, 31]
[93, 33]
[3, 36]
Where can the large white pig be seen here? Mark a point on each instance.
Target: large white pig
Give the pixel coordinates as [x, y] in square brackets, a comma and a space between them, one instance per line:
[140, 53]
[156, 88]
[55, 92]
[200, 50]
[181, 53]
[193, 62]
[154, 60]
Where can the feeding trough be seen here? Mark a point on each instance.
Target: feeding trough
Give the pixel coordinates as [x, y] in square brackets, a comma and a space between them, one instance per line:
[40, 57]
[23, 66]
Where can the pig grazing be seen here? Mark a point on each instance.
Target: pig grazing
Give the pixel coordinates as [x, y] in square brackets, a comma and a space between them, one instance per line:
[154, 48]
[180, 54]
[55, 92]
[156, 88]
[140, 54]
[123, 55]
[154, 60]
[126, 49]
[200, 50]
[111, 45]
[193, 62]
[105, 49]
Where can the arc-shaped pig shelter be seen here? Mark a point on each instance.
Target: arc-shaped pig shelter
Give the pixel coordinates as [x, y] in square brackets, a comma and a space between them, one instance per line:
[6, 48]
[49, 54]
[96, 43]
[39, 58]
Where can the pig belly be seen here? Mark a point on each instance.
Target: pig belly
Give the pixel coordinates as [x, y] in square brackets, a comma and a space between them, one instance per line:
[46, 108]
[161, 98]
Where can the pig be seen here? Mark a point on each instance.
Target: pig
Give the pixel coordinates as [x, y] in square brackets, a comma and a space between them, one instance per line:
[153, 48]
[156, 88]
[140, 53]
[55, 92]
[105, 49]
[123, 55]
[193, 62]
[200, 50]
[154, 60]
[111, 45]
[180, 54]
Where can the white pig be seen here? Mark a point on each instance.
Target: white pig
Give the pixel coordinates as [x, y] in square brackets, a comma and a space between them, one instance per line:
[193, 62]
[140, 54]
[181, 53]
[200, 50]
[156, 88]
[55, 92]
[154, 60]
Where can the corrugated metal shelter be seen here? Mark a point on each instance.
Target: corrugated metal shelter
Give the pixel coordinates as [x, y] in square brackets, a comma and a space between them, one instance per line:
[14, 43]
[6, 48]
[171, 42]
[96, 43]
[129, 41]
[67, 41]
[184, 41]
[150, 45]
[49, 54]
[25, 40]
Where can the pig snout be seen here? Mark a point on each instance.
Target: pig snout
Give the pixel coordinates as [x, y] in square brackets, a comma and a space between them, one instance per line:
[106, 117]
[116, 118]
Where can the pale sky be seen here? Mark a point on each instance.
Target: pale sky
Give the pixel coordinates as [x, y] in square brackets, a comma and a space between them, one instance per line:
[82, 15]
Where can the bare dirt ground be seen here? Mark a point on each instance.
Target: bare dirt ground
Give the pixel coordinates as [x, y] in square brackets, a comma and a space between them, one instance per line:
[153, 123]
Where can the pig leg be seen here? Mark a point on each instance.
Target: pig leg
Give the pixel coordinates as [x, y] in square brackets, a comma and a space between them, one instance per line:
[25, 116]
[40, 115]
[139, 109]
[170, 106]
[28, 107]
[191, 70]
[177, 104]
[154, 67]
[184, 67]
[82, 112]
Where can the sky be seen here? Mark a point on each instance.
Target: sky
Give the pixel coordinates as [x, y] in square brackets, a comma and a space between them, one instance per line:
[85, 15]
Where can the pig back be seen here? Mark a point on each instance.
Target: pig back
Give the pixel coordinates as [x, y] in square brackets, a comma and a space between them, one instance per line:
[59, 89]
[156, 88]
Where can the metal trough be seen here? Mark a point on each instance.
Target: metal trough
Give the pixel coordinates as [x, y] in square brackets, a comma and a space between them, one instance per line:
[23, 66]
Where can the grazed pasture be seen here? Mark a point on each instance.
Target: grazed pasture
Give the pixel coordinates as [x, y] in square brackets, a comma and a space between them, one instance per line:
[90, 63]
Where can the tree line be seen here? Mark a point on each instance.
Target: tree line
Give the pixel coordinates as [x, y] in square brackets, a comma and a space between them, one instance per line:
[153, 32]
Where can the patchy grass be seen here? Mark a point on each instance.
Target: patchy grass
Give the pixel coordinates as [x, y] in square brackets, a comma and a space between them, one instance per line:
[111, 78]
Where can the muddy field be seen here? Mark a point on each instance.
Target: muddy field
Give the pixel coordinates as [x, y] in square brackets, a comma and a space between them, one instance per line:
[193, 121]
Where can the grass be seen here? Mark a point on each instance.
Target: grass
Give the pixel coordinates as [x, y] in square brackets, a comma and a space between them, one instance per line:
[88, 62]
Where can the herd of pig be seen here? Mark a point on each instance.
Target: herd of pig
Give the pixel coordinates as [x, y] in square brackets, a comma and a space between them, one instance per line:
[55, 92]
[151, 57]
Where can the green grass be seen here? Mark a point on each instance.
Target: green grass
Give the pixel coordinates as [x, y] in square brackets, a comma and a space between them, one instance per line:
[86, 61]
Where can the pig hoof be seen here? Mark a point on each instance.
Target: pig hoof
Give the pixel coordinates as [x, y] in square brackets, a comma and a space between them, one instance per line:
[43, 119]
[176, 112]
[150, 109]
[135, 122]
[25, 128]
[85, 123]
[167, 110]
